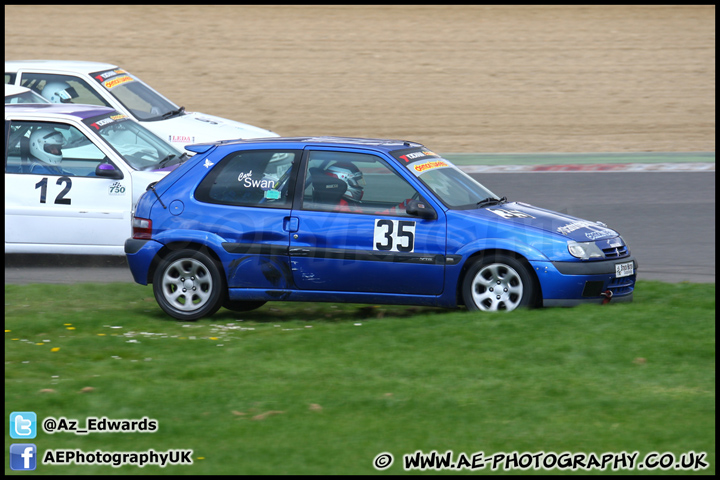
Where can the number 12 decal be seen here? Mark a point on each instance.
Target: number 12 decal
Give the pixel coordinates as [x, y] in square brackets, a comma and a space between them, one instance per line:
[394, 235]
[60, 199]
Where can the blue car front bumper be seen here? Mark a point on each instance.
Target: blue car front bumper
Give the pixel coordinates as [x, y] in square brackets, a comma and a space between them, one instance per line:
[574, 283]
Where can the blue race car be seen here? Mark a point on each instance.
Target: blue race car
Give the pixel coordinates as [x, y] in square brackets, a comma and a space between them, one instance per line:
[330, 219]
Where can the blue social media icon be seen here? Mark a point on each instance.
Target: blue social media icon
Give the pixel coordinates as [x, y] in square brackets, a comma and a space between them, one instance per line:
[23, 425]
[23, 456]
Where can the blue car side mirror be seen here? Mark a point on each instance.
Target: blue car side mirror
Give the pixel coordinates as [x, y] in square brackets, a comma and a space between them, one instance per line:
[420, 208]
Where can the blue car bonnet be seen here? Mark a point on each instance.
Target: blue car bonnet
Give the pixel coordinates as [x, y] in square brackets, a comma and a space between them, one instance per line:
[523, 215]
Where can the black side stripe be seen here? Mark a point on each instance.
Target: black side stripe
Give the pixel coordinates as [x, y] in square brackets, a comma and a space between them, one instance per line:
[334, 253]
[255, 248]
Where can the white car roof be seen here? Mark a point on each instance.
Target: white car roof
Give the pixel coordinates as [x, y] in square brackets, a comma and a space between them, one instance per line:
[55, 110]
[13, 94]
[15, 90]
[75, 66]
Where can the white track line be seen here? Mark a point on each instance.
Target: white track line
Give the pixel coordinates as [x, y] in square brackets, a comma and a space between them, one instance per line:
[602, 167]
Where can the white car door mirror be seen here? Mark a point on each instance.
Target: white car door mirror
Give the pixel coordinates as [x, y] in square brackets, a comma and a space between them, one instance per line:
[108, 170]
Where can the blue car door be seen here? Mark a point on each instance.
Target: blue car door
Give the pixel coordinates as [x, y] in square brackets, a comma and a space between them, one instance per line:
[351, 232]
[246, 201]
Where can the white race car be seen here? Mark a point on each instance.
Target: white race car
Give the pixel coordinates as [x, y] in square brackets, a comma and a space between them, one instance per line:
[73, 175]
[64, 81]
[15, 94]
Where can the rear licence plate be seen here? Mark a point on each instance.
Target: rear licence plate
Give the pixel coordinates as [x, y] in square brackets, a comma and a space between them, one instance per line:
[624, 269]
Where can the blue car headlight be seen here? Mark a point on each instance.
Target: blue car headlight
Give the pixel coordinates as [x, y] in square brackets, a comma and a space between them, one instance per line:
[585, 250]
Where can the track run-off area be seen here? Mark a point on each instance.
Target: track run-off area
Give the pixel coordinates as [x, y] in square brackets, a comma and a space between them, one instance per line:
[667, 220]
[583, 162]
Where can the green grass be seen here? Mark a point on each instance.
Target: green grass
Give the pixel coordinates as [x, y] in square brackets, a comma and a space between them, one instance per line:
[346, 382]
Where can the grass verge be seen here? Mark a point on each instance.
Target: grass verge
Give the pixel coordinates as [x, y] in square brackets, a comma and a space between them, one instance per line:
[307, 388]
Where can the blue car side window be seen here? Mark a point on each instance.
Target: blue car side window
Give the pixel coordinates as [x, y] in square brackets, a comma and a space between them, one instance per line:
[250, 178]
[354, 183]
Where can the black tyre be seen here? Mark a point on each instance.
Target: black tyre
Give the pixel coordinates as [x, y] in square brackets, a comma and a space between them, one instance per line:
[189, 285]
[498, 283]
[243, 305]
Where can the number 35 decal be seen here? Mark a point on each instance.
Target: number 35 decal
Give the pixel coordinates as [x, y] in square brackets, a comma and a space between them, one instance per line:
[60, 199]
[394, 235]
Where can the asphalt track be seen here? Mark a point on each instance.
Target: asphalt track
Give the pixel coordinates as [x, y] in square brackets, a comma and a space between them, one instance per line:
[665, 213]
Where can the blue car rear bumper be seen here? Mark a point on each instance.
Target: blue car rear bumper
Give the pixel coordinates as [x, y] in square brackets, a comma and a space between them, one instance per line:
[140, 255]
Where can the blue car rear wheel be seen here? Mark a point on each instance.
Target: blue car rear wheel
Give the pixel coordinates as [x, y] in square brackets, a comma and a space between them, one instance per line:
[188, 285]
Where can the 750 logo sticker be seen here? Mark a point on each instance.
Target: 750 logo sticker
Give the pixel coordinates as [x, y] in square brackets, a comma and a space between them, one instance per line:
[116, 188]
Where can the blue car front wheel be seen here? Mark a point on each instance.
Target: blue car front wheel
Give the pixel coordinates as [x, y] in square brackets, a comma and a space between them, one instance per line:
[188, 285]
[498, 282]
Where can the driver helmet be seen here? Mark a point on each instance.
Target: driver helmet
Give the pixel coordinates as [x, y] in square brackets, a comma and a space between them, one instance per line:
[46, 145]
[351, 175]
[59, 92]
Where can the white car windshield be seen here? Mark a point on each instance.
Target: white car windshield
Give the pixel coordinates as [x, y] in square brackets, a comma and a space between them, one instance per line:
[145, 103]
[142, 149]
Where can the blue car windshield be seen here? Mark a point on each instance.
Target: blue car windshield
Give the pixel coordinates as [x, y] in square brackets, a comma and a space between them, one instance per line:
[455, 188]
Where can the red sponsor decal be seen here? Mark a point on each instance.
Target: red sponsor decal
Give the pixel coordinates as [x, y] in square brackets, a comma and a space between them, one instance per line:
[117, 81]
[414, 155]
[428, 165]
[182, 138]
[107, 120]
[109, 74]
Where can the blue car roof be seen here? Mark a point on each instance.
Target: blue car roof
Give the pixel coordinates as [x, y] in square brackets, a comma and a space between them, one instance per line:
[76, 110]
[377, 143]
